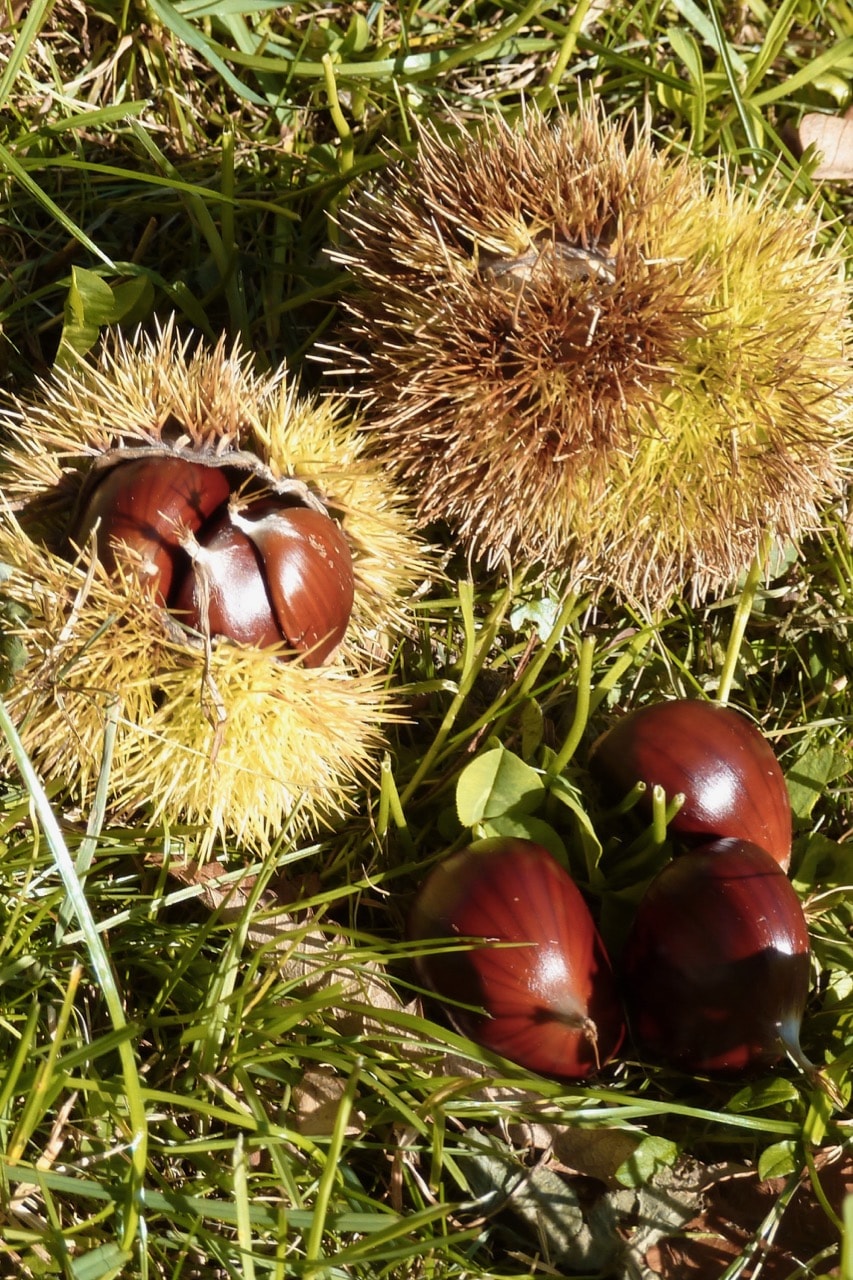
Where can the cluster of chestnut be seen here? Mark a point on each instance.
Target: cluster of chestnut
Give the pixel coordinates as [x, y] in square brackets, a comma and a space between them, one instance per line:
[714, 974]
[226, 558]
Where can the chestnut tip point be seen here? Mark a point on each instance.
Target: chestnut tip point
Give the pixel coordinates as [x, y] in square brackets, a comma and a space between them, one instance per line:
[715, 969]
[548, 1000]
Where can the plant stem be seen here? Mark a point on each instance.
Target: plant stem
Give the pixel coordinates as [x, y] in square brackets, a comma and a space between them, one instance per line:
[741, 618]
[336, 112]
[584, 692]
[476, 650]
[390, 808]
[627, 660]
[548, 96]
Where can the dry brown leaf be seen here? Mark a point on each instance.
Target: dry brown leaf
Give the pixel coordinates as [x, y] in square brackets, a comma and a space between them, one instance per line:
[732, 1210]
[307, 951]
[832, 137]
[567, 1231]
[592, 1153]
[316, 1101]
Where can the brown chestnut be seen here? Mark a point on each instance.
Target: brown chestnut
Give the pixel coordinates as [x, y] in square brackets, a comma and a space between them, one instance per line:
[539, 971]
[718, 760]
[716, 965]
[147, 505]
[309, 573]
[227, 583]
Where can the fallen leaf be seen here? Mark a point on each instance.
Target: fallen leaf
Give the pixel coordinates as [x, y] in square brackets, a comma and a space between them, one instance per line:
[591, 1153]
[315, 1104]
[309, 954]
[733, 1208]
[832, 137]
[566, 1227]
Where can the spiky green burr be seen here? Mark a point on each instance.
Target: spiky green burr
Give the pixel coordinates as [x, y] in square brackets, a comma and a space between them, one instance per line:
[226, 737]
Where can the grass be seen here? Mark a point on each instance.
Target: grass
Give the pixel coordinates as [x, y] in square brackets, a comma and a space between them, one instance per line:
[234, 1075]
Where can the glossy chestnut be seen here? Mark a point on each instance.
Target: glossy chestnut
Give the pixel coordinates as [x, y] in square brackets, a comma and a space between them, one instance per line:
[309, 573]
[146, 505]
[723, 765]
[226, 588]
[537, 976]
[716, 965]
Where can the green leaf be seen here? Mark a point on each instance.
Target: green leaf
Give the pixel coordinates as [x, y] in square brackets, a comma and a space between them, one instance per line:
[36, 18]
[820, 863]
[697, 18]
[819, 765]
[186, 33]
[778, 1160]
[762, 1094]
[528, 827]
[497, 783]
[568, 795]
[774, 39]
[88, 304]
[92, 303]
[100, 1264]
[687, 49]
[357, 37]
[814, 68]
[133, 300]
[10, 163]
[645, 1160]
[818, 1118]
[542, 614]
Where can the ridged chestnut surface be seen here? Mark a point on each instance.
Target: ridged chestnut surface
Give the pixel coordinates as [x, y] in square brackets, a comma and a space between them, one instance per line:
[260, 570]
[716, 966]
[549, 997]
[309, 574]
[227, 577]
[726, 769]
[146, 505]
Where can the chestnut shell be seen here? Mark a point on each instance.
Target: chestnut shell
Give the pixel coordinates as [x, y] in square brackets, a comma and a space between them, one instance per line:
[724, 766]
[309, 572]
[549, 1002]
[147, 505]
[238, 605]
[716, 965]
[275, 570]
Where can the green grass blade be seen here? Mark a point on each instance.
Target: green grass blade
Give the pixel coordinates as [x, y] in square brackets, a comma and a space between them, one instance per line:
[36, 18]
[17, 171]
[101, 967]
[186, 32]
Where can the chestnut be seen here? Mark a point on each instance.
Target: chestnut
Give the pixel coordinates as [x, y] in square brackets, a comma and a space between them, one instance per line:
[309, 573]
[227, 583]
[716, 965]
[263, 572]
[718, 760]
[147, 505]
[538, 979]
